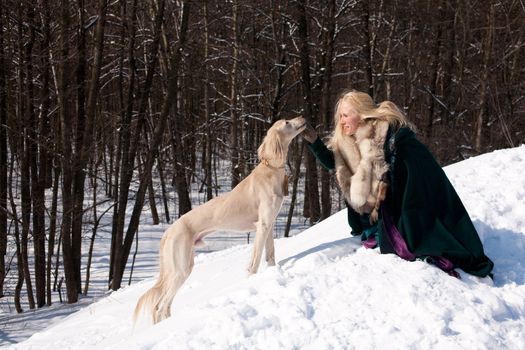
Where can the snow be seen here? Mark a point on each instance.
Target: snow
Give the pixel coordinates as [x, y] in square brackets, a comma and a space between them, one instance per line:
[328, 292]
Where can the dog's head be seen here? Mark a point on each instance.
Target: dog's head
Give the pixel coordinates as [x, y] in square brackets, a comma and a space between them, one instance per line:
[288, 129]
[278, 137]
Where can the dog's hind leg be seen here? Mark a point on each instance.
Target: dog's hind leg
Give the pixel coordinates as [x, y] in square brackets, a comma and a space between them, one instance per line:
[177, 260]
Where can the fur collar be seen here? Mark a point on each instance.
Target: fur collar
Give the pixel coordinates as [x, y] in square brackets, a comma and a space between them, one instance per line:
[360, 165]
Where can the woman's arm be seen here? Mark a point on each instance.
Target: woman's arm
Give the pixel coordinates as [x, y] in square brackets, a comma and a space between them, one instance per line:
[322, 153]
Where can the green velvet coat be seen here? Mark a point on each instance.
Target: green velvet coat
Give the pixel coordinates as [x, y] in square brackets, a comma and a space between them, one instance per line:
[424, 205]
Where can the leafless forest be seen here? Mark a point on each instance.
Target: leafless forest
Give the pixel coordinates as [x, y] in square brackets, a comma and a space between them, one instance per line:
[107, 95]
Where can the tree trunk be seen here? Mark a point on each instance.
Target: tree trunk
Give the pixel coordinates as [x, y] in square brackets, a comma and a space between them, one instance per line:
[52, 232]
[368, 49]
[157, 136]
[45, 174]
[126, 150]
[130, 147]
[24, 108]
[78, 166]
[66, 140]
[163, 187]
[326, 92]
[235, 160]
[178, 129]
[18, 244]
[208, 138]
[181, 184]
[45, 177]
[85, 132]
[297, 167]
[34, 144]
[434, 68]
[484, 80]
[278, 32]
[312, 190]
[3, 155]
[96, 221]
[152, 204]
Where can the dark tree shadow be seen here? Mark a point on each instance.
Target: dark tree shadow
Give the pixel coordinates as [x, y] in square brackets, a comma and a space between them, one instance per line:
[332, 249]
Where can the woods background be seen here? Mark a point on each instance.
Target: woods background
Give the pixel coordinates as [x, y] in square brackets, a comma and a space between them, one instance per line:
[99, 97]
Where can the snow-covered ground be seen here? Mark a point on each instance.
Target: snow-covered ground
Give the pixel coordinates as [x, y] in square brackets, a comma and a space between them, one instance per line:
[326, 291]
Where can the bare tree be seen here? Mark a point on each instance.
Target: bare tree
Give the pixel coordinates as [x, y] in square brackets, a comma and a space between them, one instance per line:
[25, 107]
[207, 159]
[312, 209]
[120, 264]
[66, 140]
[18, 244]
[235, 158]
[326, 68]
[3, 155]
[483, 81]
[127, 135]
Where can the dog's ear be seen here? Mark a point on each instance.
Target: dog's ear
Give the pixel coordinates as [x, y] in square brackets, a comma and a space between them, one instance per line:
[272, 147]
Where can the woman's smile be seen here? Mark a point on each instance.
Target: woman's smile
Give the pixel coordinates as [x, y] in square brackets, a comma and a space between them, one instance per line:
[349, 118]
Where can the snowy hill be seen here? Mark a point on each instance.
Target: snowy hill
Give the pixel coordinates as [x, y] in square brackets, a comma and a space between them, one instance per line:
[327, 292]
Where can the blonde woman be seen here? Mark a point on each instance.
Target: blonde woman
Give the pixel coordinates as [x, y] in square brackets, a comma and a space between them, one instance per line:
[397, 195]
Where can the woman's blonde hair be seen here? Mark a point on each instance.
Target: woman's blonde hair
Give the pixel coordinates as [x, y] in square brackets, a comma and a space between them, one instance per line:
[367, 109]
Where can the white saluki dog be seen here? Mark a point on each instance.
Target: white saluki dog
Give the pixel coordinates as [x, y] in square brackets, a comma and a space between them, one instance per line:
[252, 205]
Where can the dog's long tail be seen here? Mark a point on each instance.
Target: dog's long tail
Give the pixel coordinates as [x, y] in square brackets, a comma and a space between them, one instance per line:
[147, 301]
[176, 263]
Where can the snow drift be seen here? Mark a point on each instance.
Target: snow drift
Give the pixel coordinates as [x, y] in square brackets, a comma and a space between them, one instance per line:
[327, 292]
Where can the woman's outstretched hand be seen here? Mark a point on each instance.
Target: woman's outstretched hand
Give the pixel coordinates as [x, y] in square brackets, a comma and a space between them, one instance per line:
[309, 133]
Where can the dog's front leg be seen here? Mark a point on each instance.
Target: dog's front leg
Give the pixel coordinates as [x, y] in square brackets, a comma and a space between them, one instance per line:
[261, 235]
[270, 248]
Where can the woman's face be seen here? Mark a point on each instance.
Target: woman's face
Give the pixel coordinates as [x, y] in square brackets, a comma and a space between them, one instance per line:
[349, 118]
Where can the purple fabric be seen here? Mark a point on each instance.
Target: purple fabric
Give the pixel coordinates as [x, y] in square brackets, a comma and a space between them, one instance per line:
[395, 238]
[370, 243]
[442, 263]
[445, 265]
[400, 247]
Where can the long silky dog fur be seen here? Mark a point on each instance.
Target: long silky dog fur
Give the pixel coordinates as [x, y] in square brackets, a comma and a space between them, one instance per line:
[252, 205]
